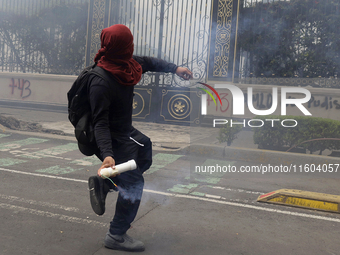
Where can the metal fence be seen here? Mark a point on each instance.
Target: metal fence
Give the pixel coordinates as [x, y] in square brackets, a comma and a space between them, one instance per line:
[33, 7]
[41, 36]
[177, 31]
[283, 42]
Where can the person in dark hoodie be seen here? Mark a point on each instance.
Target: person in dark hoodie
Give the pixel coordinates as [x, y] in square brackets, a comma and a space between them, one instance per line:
[118, 141]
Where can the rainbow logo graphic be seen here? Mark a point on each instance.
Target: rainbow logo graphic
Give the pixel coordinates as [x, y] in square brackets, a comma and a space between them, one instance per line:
[209, 93]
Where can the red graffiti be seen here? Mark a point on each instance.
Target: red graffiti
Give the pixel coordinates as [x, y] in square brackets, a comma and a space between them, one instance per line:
[225, 102]
[22, 85]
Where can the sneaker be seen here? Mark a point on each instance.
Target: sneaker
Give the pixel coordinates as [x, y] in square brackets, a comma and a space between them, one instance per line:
[123, 242]
[98, 192]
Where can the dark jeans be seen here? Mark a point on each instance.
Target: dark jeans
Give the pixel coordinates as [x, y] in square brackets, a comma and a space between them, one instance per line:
[130, 184]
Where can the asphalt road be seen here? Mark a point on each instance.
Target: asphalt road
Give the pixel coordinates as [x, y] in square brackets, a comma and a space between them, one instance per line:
[45, 208]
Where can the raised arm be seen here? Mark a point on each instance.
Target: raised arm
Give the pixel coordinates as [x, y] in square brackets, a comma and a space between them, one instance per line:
[150, 64]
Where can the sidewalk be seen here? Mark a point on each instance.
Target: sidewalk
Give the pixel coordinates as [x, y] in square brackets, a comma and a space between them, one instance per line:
[163, 136]
[193, 140]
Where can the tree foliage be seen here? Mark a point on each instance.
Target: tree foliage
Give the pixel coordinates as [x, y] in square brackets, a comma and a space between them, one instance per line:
[312, 133]
[297, 38]
[50, 41]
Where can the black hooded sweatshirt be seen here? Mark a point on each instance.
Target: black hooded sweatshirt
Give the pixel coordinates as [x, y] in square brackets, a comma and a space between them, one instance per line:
[111, 104]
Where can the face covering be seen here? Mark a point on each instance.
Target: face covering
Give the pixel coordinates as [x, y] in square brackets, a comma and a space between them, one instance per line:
[115, 55]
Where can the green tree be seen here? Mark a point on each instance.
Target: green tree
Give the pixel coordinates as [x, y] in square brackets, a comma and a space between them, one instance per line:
[297, 38]
[51, 41]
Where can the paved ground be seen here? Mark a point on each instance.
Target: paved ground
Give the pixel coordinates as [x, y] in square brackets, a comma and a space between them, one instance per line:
[164, 136]
[45, 208]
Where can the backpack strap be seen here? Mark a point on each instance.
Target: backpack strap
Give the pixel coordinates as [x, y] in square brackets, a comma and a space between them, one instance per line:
[102, 73]
[83, 130]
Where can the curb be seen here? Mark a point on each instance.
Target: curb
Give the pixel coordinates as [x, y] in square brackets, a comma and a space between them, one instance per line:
[39, 134]
[303, 199]
[56, 134]
[258, 155]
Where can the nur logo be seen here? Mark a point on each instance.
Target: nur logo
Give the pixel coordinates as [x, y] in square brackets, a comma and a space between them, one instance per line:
[204, 97]
[239, 100]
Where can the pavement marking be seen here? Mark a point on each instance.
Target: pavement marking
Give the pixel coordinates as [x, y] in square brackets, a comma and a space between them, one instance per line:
[206, 176]
[195, 193]
[305, 215]
[180, 188]
[213, 196]
[214, 163]
[186, 189]
[34, 202]
[3, 135]
[58, 170]
[10, 161]
[87, 161]
[52, 152]
[304, 199]
[44, 135]
[203, 177]
[19, 143]
[42, 175]
[254, 207]
[160, 160]
[212, 180]
[53, 215]
[236, 190]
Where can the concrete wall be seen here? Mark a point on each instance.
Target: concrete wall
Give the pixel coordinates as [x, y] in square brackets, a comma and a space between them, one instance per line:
[44, 90]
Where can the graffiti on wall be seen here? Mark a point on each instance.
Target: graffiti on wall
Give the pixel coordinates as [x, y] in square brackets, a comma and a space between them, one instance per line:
[20, 86]
[225, 103]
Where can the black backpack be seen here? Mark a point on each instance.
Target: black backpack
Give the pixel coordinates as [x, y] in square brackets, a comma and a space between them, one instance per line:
[79, 110]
